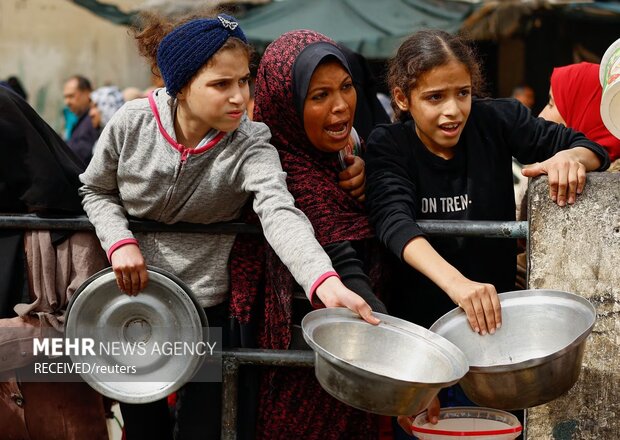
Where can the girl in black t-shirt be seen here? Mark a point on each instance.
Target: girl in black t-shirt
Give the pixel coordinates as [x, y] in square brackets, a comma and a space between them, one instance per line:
[452, 160]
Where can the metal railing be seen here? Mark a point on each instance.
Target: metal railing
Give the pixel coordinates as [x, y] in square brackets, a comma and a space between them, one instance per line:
[489, 229]
[233, 358]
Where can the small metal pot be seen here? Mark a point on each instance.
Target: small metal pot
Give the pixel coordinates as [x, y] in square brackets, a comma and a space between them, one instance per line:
[394, 368]
[533, 358]
[166, 312]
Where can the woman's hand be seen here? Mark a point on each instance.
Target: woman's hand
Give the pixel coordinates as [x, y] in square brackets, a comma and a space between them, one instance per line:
[479, 301]
[406, 422]
[334, 294]
[353, 178]
[130, 269]
[567, 173]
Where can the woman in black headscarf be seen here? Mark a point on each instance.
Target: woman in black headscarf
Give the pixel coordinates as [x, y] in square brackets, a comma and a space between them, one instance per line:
[292, 403]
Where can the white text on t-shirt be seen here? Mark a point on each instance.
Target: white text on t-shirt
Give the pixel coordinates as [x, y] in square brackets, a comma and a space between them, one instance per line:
[446, 204]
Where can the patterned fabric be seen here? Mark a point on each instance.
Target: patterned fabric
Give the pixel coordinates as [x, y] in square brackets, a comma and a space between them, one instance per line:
[292, 403]
[108, 100]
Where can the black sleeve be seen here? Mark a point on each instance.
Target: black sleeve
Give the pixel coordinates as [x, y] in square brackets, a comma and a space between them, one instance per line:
[390, 187]
[534, 139]
[350, 268]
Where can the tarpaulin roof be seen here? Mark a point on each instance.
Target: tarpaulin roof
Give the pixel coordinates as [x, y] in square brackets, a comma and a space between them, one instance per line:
[375, 28]
[370, 27]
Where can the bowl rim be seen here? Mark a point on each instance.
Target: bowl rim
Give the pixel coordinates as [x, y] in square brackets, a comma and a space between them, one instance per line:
[513, 429]
[165, 273]
[313, 319]
[536, 361]
[162, 388]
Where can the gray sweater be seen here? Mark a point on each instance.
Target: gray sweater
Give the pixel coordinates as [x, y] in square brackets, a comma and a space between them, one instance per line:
[136, 171]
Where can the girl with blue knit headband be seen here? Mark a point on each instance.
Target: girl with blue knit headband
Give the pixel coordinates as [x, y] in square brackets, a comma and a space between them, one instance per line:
[189, 153]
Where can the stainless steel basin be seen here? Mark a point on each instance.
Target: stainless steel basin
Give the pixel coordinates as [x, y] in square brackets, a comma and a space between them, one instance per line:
[137, 332]
[533, 358]
[395, 368]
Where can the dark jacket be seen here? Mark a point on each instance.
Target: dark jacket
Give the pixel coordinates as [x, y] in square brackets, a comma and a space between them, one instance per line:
[83, 138]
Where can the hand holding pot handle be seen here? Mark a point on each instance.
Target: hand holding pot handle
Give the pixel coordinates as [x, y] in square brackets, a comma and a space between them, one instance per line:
[130, 269]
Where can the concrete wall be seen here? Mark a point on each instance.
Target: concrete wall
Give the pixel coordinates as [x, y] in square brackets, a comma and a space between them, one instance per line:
[577, 249]
[45, 41]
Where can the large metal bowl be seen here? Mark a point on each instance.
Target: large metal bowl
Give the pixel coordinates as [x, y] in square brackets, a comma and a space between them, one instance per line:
[533, 358]
[163, 314]
[394, 368]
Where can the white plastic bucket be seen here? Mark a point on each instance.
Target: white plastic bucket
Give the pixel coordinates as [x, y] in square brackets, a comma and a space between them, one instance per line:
[472, 423]
[609, 75]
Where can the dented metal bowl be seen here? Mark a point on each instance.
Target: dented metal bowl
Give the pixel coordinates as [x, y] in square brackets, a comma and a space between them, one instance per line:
[533, 358]
[394, 368]
[146, 346]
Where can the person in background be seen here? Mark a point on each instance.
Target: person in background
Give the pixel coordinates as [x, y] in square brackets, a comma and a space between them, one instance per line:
[450, 158]
[575, 96]
[76, 92]
[13, 83]
[575, 101]
[189, 153]
[525, 95]
[105, 101]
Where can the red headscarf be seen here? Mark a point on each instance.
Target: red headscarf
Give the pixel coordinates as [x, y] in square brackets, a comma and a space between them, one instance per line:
[577, 93]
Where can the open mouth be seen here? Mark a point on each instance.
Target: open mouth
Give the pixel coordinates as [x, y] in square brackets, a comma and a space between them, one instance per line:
[450, 128]
[338, 130]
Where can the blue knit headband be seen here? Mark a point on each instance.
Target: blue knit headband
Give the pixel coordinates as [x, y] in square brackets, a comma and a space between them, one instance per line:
[187, 48]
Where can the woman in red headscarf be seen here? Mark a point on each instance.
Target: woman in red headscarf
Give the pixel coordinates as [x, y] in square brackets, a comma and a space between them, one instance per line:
[305, 94]
[575, 101]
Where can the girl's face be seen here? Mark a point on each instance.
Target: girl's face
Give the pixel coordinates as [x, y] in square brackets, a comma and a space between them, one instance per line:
[440, 104]
[217, 96]
[551, 112]
[329, 107]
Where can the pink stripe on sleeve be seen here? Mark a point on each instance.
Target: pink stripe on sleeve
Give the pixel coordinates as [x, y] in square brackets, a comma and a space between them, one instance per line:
[315, 301]
[119, 244]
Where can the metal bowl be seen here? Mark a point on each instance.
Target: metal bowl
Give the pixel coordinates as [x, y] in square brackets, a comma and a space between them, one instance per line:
[394, 368]
[163, 314]
[533, 358]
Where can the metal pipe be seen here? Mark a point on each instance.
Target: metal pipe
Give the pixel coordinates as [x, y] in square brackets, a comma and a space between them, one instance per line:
[467, 228]
[279, 358]
[230, 385]
[81, 223]
[234, 357]
[230, 377]
[475, 228]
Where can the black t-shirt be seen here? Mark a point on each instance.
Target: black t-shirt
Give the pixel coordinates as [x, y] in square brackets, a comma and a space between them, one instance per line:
[406, 182]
